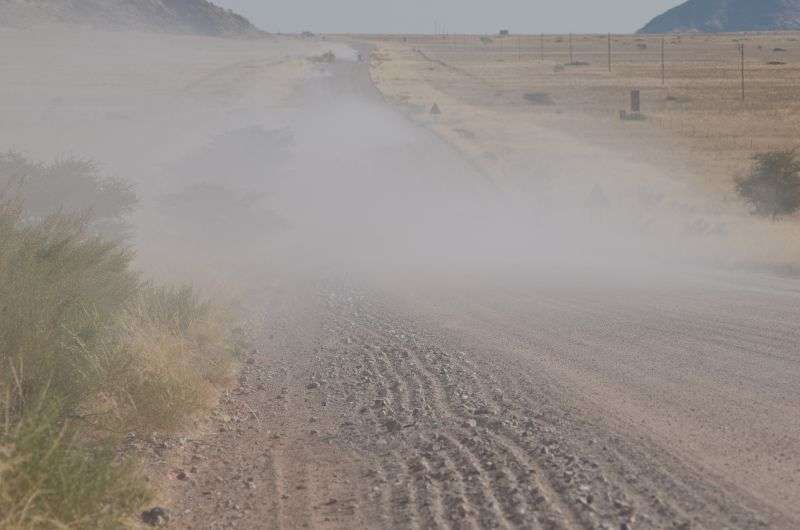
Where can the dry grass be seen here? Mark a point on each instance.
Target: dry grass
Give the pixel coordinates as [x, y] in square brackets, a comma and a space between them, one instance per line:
[700, 102]
[172, 355]
[88, 353]
[51, 479]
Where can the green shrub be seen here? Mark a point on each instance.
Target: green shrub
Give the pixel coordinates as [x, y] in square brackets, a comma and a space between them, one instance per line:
[772, 187]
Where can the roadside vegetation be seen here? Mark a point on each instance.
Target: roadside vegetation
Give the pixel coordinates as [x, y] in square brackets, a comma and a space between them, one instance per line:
[89, 352]
[69, 185]
[772, 187]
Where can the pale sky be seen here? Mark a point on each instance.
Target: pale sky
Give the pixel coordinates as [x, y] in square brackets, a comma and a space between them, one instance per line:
[456, 16]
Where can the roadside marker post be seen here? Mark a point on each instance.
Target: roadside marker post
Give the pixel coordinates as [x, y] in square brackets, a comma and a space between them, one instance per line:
[741, 49]
[571, 61]
[541, 48]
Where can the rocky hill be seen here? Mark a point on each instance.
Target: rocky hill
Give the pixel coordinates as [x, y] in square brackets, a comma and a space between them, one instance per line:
[728, 16]
[172, 16]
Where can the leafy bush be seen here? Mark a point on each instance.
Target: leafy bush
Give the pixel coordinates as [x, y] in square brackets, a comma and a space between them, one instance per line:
[70, 186]
[772, 187]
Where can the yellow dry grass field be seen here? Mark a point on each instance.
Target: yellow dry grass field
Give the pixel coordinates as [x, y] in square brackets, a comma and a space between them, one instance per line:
[544, 111]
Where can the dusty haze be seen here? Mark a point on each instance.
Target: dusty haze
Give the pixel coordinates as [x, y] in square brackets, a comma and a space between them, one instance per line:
[460, 340]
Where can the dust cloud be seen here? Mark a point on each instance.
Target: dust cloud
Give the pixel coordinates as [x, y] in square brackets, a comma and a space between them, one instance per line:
[348, 184]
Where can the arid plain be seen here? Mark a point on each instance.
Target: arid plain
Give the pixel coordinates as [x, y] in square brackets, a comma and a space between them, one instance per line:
[535, 108]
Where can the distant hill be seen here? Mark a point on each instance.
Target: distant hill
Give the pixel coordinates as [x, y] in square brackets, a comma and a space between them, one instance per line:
[171, 16]
[728, 16]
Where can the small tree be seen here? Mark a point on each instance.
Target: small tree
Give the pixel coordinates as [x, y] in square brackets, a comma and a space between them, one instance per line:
[772, 188]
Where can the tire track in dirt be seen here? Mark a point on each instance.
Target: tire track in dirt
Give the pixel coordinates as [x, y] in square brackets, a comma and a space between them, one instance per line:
[523, 468]
[501, 489]
[480, 445]
[482, 495]
[532, 483]
[512, 513]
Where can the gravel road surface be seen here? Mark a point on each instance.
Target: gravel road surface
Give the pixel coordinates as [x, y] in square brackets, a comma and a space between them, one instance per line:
[490, 397]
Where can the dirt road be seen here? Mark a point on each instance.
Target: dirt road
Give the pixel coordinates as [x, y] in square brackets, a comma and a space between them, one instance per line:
[487, 397]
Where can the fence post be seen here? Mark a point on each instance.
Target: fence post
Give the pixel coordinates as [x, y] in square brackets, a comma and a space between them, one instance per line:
[741, 48]
[541, 47]
[635, 101]
[571, 61]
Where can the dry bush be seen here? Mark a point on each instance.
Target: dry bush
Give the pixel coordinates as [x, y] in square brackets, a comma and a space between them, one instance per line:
[70, 186]
[222, 213]
[59, 290]
[539, 98]
[87, 352]
[172, 355]
[50, 479]
[328, 57]
[772, 188]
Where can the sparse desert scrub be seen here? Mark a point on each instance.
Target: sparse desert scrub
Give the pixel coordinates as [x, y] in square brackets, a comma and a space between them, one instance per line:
[712, 127]
[772, 187]
[327, 57]
[71, 186]
[698, 134]
[171, 354]
[539, 98]
[59, 291]
[90, 352]
[51, 479]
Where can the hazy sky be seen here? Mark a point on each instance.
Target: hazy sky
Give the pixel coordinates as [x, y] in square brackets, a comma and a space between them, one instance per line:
[457, 16]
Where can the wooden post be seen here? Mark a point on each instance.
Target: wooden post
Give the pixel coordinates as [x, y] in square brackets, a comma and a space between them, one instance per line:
[741, 48]
[570, 49]
[541, 47]
[635, 101]
[663, 67]
[519, 48]
[609, 53]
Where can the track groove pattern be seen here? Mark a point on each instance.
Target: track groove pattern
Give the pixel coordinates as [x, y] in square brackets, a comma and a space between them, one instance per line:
[461, 446]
